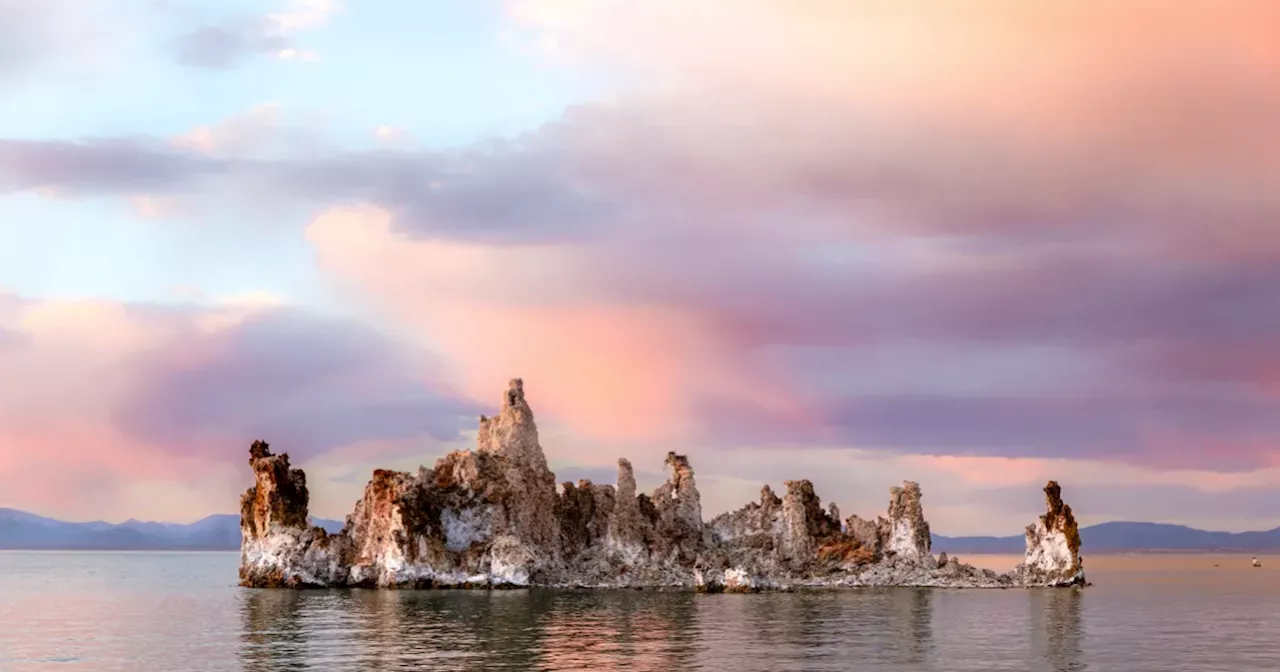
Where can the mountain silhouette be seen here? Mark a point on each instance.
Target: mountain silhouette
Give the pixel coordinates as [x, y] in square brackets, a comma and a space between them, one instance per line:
[1120, 537]
[20, 530]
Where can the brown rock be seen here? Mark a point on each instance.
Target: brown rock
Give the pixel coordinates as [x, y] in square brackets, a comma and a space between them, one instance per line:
[513, 435]
[1053, 545]
[678, 505]
[279, 548]
[868, 533]
[907, 536]
[628, 526]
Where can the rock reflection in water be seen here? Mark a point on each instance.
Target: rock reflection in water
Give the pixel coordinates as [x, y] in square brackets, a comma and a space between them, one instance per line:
[882, 629]
[120, 612]
[465, 630]
[273, 637]
[912, 625]
[619, 630]
[1057, 630]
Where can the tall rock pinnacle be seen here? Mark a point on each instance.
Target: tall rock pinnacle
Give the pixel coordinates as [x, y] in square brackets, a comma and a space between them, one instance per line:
[513, 435]
[1053, 544]
[908, 535]
[278, 547]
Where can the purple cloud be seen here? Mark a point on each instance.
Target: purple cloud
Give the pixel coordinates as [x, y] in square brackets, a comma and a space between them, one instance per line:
[222, 47]
[1141, 502]
[1138, 244]
[308, 383]
[96, 167]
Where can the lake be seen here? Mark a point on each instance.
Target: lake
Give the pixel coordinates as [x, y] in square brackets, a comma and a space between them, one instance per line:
[170, 612]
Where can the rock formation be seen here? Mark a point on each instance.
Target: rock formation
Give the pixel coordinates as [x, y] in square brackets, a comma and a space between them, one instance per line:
[278, 548]
[494, 517]
[1053, 545]
[908, 534]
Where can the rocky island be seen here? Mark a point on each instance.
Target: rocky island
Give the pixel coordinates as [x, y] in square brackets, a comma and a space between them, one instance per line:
[493, 517]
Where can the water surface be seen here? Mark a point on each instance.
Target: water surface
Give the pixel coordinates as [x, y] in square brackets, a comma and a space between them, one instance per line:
[107, 612]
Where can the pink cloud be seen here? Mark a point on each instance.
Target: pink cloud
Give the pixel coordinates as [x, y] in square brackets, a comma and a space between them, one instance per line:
[613, 370]
[728, 251]
[102, 398]
[1139, 110]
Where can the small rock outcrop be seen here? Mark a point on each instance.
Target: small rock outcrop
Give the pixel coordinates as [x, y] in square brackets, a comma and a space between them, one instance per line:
[908, 536]
[494, 517]
[1053, 545]
[279, 548]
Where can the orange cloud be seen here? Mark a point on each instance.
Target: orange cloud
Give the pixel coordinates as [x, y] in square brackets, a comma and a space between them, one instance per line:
[613, 370]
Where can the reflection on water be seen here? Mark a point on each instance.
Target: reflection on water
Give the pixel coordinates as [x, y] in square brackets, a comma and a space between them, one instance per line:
[1057, 629]
[170, 612]
[457, 630]
[584, 630]
[273, 637]
[913, 624]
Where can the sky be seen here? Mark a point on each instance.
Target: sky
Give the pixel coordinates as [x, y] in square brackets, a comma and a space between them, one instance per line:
[978, 245]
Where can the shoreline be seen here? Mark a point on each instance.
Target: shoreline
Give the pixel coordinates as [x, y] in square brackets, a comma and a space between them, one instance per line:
[1261, 553]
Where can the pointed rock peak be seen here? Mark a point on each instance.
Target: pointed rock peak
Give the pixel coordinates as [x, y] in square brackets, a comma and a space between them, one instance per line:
[679, 509]
[768, 497]
[904, 502]
[796, 543]
[626, 525]
[278, 496]
[908, 533]
[514, 434]
[626, 478]
[908, 489]
[801, 488]
[514, 398]
[1053, 544]
[515, 410]
[1058, 516]
[1053, 499]
[259, 450]
[680, 469]
[680, 484]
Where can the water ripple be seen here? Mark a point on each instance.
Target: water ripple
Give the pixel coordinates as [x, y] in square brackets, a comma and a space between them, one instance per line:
[109, 612]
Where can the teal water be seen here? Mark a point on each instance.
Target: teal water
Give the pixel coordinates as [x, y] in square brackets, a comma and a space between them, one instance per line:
[107, 612]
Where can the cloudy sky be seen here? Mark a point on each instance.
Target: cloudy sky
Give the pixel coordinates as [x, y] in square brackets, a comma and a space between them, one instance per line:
[973, 244]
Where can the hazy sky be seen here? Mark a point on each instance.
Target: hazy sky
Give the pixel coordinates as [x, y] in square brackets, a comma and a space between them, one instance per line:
[976, 244]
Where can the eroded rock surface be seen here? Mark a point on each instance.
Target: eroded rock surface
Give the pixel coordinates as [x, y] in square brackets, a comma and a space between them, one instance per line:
[279, 548]
[494, 517]
[908, 535]
[1053, 545]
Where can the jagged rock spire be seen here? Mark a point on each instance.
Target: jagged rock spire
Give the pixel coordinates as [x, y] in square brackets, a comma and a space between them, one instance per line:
[1053, 545]
[279, 496]
[908, 534]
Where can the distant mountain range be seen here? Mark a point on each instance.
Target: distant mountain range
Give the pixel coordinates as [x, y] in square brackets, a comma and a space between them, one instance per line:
[1121, 537]
[20, 530]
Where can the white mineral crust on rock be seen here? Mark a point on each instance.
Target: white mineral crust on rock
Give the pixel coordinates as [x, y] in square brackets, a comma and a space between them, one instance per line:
[908, 532]
[1053, 545]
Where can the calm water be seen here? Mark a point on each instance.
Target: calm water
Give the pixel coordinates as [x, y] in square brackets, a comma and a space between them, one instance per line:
[175, 611]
